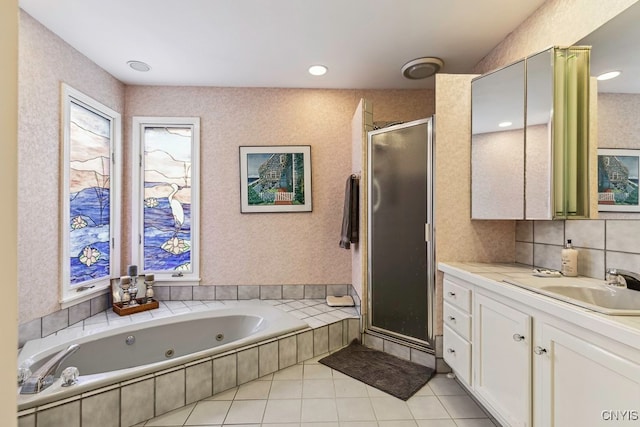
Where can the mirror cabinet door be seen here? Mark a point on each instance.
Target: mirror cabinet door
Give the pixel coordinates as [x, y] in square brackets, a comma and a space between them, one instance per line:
[497, 144]
[530, 138]
[538, 136]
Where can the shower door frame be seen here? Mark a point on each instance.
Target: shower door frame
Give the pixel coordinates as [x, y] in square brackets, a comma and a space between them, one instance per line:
[429, 231]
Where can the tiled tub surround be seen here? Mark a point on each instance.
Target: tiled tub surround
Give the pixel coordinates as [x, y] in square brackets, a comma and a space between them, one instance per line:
[120, 351]
[601, 244]
[61, 319]
[138, 399]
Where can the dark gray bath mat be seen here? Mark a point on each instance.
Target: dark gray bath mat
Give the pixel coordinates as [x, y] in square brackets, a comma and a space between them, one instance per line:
[395, 376]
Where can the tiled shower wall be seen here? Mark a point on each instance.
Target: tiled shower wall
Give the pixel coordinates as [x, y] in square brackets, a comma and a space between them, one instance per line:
[601, 244]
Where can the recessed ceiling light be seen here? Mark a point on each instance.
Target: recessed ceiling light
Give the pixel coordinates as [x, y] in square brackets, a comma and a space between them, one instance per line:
[318, 70]
[422, 68]
[609, 75]
[139, 66]
[504, 124]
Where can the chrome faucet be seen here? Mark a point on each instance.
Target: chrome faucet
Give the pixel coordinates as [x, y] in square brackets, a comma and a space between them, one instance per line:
[44, 376]
[623, 278]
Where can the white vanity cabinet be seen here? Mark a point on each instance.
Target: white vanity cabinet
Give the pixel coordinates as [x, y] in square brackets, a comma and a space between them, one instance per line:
[533, 364]
[585, 379]
[456, 340]
[502, 358]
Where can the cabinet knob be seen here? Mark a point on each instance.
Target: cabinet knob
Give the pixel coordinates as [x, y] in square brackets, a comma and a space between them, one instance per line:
[450, 350]
[518, 337]
[539, 350]
[453, 319]
[452, 294]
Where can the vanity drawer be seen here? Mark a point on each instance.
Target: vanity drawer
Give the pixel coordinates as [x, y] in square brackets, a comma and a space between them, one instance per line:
[457, 294]
[457, 320]
[457, 353]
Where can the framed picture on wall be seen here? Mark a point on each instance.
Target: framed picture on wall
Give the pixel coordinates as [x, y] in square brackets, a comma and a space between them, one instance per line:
[618, 171]
[275, 178]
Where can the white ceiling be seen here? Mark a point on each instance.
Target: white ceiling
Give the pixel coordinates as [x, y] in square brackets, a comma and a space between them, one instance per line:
[271, 43]
[615, 46]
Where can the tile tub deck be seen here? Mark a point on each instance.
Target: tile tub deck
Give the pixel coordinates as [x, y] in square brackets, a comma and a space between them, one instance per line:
[330, 328]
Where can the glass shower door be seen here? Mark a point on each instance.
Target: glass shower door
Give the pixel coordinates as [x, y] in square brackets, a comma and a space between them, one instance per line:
[400, 250]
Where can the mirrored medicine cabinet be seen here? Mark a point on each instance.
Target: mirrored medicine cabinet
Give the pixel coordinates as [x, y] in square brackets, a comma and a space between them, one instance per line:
[530, 138]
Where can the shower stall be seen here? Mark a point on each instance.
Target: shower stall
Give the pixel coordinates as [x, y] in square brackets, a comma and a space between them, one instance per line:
[400, 245]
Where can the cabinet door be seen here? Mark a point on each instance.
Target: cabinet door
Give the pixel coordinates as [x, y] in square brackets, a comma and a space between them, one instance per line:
[502, 360]
[584, 384]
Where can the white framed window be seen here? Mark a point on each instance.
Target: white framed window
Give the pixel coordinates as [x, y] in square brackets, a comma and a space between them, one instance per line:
[166, 198]
[91, 194]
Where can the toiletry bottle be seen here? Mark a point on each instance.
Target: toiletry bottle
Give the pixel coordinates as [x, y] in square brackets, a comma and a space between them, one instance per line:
[569, 260]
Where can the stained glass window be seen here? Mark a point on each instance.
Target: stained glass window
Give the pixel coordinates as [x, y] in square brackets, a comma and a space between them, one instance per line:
[91, 137]
[168, 197]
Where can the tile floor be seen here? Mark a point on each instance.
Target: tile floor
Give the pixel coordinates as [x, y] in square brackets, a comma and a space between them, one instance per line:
[313, 395]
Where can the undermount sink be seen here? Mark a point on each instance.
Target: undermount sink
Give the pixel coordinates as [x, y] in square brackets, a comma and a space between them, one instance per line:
[607, 296]
[598, 297]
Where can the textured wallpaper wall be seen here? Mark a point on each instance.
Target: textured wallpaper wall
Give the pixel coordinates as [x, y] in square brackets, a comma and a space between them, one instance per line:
[496, 155]
[618, 128]
[300, 248]
[458, 238]
[555, 23]
[618, 120]
[258, 248]
[44, 62]
[270, 249]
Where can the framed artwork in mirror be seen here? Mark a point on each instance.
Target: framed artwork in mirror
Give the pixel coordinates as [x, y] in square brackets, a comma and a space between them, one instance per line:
[618, 171]
[275, 178]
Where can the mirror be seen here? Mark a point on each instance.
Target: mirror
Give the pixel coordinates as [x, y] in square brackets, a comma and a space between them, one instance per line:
[615, 47]
[538, 147]
[497, 143]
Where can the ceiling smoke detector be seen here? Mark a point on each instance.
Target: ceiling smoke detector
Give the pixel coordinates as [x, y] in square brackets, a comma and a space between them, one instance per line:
[422, 68]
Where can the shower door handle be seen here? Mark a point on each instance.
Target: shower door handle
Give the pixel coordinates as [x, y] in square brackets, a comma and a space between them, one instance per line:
[427, 232]
[376, 195]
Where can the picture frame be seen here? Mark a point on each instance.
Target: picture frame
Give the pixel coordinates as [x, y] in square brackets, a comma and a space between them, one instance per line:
[618, 171]
[275, 178]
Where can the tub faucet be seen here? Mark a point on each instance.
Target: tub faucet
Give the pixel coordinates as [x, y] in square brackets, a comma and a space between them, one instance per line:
[43, 377]
[623, 278]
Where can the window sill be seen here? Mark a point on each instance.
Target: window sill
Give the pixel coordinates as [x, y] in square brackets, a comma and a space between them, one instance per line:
[75, 298]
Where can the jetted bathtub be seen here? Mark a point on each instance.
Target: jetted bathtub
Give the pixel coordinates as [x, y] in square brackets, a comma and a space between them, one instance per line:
[107, 357]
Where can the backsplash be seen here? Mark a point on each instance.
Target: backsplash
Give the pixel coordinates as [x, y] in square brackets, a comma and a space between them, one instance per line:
[602, 244]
